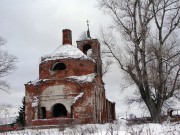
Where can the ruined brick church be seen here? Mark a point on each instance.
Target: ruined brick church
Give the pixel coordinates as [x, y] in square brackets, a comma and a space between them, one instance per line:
[70, 88]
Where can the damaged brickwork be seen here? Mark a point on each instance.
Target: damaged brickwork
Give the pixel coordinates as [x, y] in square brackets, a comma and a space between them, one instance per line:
[70, 88]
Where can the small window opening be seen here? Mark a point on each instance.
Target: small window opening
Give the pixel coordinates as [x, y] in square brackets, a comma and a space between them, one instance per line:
[59, 66]
[43, 112]
[59, 110]
[95, 69]
[86, 48]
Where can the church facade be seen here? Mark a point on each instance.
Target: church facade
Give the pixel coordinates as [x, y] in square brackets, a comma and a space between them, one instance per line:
[70, 88]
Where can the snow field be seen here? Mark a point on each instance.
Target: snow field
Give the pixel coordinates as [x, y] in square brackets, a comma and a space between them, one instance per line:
[117, 128]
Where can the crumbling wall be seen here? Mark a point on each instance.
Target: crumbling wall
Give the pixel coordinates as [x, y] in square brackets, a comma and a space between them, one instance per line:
[83, 109]
[73, 68]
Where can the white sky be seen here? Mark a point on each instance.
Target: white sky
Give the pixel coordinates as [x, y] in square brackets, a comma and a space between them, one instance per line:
[33, 28]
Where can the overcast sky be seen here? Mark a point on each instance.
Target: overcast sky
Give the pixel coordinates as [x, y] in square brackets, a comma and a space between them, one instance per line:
[33, 28]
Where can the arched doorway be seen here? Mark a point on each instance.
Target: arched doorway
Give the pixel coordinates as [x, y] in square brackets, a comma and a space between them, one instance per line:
[59, 110]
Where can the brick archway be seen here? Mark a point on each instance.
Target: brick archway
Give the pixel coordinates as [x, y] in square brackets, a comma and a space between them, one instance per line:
[59, 110]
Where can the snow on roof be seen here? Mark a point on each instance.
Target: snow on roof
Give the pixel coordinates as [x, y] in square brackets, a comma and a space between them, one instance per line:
[83, 78]
[37, 82]
[78, 96]
[65, 52]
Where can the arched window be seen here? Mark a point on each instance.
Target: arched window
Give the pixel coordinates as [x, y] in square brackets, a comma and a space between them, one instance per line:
[86, 48]
[59, 66]
[59, 110]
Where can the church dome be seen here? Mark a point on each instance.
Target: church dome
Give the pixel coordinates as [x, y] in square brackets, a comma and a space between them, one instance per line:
[66, 51]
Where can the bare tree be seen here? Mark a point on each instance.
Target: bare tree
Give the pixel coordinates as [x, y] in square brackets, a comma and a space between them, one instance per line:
[151, 55]
[106, 65]
[83, 36]
[7, 65]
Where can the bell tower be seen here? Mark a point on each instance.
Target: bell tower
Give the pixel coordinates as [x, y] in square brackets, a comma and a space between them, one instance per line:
[91, 48]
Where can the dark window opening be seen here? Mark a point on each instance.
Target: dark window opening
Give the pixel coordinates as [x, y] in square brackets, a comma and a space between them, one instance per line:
[43, 112]
[86, 48]
[71, 111]
[59, 66]
[95, 69]
[59, 110]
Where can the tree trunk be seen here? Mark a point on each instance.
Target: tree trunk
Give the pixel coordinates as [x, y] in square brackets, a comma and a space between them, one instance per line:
[156, 116]
[155, 113]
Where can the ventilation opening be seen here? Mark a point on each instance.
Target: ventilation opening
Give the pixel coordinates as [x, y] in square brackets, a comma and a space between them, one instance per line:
[86, 48]
[43, 112]
[59, 110]
[59, 66]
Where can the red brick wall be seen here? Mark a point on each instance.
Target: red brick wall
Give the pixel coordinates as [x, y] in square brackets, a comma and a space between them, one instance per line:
[36, 90]
[92, 107]
[83, 108]
[53, 121]
[74, 67]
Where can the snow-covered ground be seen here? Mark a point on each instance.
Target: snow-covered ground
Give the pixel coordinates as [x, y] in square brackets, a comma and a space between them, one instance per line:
[117, 128]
